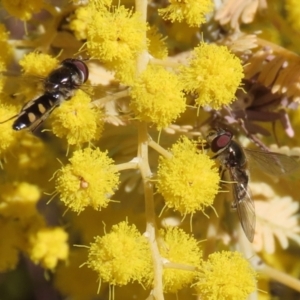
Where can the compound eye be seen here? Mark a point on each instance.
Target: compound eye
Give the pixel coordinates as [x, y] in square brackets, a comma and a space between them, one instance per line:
[220, 141]
[82, 68]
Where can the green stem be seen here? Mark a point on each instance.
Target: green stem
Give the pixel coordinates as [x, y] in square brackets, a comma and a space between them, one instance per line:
[127, 166]
[54, 11]
[113, 97]
[150, 211]
[159, 149]
[141, 64]
[281, 277]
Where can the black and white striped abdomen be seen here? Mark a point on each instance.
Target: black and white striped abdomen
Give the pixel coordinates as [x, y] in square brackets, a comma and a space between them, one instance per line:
[37, 109]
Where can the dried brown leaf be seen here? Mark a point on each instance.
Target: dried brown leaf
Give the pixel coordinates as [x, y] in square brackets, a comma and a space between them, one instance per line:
[275, 68]
[239, 42]
[235, 12]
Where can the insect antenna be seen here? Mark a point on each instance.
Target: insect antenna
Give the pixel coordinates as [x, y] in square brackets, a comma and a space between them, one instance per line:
[13, 117]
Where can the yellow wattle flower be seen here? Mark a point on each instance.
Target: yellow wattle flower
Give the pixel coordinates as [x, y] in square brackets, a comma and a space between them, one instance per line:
[121, 256]
[76, 121]
[225, 275]
[191, 11]
[38, 64]
[88, 180]
[214, 74]
[181, 248]
[46, 246]
[115, 35]
[157, 97]
[189, 181]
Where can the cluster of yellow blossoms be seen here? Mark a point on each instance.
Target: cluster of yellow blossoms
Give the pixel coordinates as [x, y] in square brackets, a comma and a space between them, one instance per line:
[163, 259]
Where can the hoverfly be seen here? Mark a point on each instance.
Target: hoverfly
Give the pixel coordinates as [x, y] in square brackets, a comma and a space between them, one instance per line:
[59, 86]
[233, 158]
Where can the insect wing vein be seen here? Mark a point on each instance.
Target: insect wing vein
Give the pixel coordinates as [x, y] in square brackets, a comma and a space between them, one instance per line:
[273, 163]
[40, 120]
[244, 205]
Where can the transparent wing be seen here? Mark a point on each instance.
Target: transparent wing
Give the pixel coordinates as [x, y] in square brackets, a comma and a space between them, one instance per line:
[40, 120]
[246, 213]
[243, 202]
[37, 123]
[273, 163]
[16, 82]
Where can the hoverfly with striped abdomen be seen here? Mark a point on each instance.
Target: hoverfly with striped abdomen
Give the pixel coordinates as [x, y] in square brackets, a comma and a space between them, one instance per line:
[59, 86]
[233, 159]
